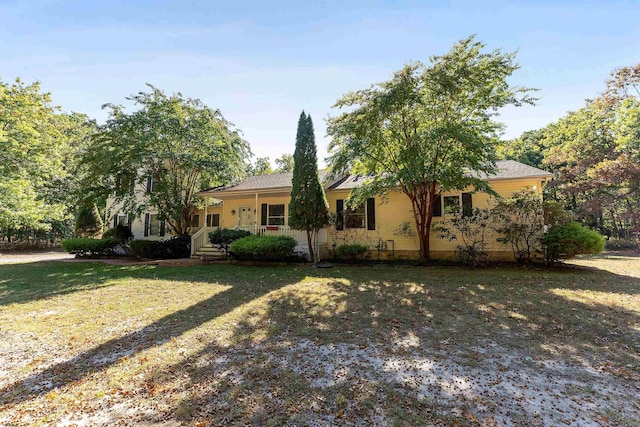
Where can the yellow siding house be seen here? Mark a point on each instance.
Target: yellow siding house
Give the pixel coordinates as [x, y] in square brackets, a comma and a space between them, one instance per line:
[260, 204]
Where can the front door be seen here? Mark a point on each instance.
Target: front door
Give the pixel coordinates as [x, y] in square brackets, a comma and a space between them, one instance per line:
[246, 216]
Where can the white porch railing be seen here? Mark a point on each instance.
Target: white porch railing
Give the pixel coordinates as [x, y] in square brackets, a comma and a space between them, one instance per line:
[285, 230]
[200, 238]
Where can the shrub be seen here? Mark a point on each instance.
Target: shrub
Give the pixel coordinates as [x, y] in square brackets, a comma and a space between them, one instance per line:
[520, 222]
[87, 246]
[120, 232]
[568, 240]
[176, 247]
[223, 237]
[622, 244]
[470, 231]
[350, 252]
[263, 248]
[88, 222]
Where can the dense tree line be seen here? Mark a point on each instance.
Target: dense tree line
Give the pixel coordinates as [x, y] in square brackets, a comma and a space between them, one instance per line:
[594, 154]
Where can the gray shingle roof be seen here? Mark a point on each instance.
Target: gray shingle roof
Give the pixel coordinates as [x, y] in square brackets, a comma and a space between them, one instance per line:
[507, 169]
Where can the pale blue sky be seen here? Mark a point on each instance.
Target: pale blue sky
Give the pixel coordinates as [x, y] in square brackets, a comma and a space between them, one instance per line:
[261, 62]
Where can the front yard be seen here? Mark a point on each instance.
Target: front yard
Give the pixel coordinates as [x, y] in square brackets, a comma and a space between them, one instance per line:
[93, 344]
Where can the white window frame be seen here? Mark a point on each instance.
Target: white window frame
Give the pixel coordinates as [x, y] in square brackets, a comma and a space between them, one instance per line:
[277, 218]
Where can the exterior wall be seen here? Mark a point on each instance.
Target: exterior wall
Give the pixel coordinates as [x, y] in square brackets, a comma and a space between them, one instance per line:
[230, 209]
[396, 209]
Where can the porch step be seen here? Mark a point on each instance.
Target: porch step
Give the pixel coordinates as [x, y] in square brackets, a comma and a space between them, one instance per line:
[209, 253]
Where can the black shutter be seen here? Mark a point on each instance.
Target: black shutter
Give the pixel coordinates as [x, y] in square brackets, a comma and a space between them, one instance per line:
[146, 225]
[263, 214]
[115, 220]
[437, 206]
[467, 205]
[162, 228]
[371, 214]
[148, 184]
[339, 214]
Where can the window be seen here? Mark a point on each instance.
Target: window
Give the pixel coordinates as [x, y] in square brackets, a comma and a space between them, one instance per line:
[275, 215]
[213, 220]
[153, 225]
[355, 218]
[451, 204]
[363, 216]
[122, 219]
[195, 221]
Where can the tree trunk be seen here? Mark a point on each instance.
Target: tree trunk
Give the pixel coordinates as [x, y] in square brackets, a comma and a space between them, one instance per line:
[423, 200]
[312, 258]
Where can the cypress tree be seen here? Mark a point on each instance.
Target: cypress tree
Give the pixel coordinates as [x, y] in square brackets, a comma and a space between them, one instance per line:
[308, 209]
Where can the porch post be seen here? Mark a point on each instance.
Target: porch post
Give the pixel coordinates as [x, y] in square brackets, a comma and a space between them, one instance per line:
[206, 210]
[255, 216]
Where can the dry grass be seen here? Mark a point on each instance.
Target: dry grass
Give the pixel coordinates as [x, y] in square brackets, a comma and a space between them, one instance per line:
[92, 344]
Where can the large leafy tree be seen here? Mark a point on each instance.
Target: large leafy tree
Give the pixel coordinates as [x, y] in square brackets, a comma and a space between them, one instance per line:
[595, 155]
[426, 129]
[308, 209]
[285, 163]
[39, 145]
[160, 155]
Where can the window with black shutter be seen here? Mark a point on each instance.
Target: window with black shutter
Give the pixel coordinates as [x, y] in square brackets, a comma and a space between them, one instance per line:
[339, 214]
[467, 204]
[437, 206]
[263, 214]
[371, 214]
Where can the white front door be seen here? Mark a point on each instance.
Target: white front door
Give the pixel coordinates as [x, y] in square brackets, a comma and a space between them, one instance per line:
[246, 216]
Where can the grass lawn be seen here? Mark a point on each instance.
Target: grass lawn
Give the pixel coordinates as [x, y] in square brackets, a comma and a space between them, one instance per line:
[94, 344]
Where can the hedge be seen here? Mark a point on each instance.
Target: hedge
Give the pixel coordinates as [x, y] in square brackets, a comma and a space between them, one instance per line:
[176, 247]
[88, 246]
[568, 240]
[223, 237]
[264, 248]
[119, 232]
[350, 252]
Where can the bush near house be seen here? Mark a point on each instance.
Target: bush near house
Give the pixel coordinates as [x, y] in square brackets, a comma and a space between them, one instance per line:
[568, 240]
[88, 246]
[122, 233]
[223, 237]
[350, 252]
[176, 247]
[263, 248]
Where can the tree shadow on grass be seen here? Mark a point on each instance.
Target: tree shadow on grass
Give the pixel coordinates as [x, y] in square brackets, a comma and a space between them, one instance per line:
[242, 289]
[270, 373]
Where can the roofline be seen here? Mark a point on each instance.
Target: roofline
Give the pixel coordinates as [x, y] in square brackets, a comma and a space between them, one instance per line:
[230, 192]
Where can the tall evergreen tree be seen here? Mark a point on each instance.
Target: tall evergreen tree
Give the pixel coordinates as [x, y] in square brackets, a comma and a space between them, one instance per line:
[308, 208]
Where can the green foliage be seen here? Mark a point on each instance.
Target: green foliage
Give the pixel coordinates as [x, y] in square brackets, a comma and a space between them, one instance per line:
[263, 248]
[520, 222]
[262, 167]
[223, 237]
[556, 214]
[426, 128]
[622, 244]
[120, 232]
[568, 240]
[176, 247]
[308, 208]
[38, 153]
[471, 231]
[87, 246]
[180, 143]
[88, 222]
[527, 149]
[351, 252]
[285, 163]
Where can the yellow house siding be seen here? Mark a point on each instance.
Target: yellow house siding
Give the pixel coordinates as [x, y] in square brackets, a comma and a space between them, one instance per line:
[230, 209]
[392, 211]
